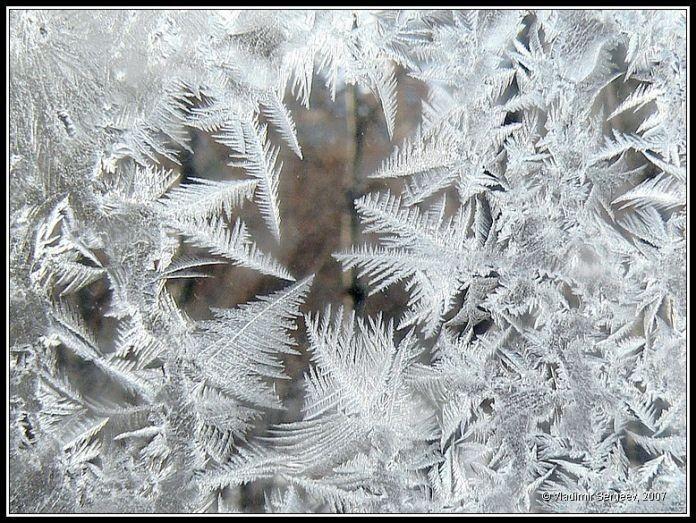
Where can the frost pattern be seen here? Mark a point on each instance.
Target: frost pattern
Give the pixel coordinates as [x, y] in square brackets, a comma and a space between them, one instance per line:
[536, 218]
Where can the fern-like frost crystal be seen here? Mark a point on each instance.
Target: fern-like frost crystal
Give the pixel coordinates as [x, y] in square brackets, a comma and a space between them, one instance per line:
[523, 261]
